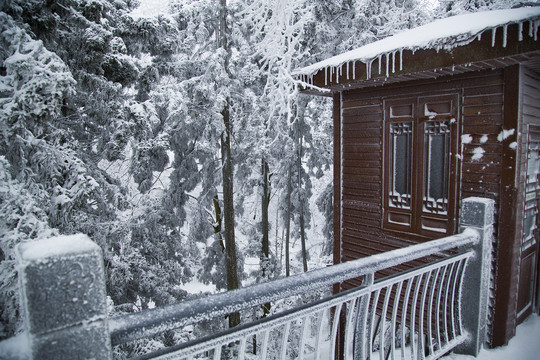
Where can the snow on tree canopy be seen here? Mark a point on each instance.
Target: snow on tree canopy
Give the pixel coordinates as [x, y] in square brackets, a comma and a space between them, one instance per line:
[443, 34]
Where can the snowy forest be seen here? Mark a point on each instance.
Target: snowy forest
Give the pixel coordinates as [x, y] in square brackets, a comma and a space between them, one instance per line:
[179, 142]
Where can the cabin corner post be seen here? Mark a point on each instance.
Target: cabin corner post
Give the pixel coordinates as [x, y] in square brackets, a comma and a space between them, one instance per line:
[478, 214]
[63, 298]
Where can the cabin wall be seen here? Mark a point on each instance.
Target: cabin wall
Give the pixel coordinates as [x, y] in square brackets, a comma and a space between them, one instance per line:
[487, 107]
[361, 150]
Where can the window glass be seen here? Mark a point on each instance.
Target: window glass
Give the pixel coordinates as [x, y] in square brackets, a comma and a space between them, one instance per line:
[400, 160]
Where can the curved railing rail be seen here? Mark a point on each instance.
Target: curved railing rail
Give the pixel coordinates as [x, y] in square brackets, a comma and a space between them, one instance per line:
[417, 314]
[151, 322]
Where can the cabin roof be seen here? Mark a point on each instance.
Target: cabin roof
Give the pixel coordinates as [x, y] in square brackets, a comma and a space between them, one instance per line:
[452, 45]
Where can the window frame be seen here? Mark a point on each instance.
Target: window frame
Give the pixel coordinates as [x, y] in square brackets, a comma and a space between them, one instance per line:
[417, 220]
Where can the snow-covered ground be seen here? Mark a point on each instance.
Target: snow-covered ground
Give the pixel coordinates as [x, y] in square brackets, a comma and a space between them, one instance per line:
[524, 346]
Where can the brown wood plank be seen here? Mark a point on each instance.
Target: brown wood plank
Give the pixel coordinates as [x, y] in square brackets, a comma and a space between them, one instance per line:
[362, 133]
[368, 141]
[482, 100]
[364, 119]
[483, 109]
[484, 119]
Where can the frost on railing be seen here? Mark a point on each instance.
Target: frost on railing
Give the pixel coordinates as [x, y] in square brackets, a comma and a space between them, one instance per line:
[404, 316]
[417, 314]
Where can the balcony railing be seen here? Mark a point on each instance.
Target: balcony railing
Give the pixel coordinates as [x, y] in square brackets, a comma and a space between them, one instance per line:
[413, 314]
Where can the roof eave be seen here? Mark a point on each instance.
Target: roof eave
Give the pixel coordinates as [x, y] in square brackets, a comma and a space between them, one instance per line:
[482, 53]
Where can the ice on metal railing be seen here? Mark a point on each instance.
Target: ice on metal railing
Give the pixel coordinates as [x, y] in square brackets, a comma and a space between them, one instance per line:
[150, 322]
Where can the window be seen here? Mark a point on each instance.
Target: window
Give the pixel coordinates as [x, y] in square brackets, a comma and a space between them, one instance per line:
[420, 148]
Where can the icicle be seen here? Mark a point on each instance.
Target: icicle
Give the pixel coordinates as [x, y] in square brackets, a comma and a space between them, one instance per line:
[505, 34]
[400, 59]
[493, 32]
[520, 32]
[325, 76]
[393, 62]
[354, 70]
[348, 62]
[380, 61]
[368, 70]
[479, 36]
[387, 55]
[338, 73]
[530, 28]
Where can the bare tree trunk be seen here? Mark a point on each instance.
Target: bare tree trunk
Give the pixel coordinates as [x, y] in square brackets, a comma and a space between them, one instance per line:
[228, 213]
[227, 171]
[301, 203]
[300, 108]
[265, 202]
[288, 223]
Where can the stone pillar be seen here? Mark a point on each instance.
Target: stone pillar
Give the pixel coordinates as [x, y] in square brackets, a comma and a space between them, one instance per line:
[63, 298]
[478, 214]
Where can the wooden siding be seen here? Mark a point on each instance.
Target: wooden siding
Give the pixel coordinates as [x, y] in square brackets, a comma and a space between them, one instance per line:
[362, 154]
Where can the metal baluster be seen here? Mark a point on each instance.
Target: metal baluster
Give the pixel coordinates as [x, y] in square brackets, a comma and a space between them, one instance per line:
[318, 339]
[302, 337]
[430, 312]
[453, 301]
[264, 344]
[371, 336]
[421, 335]
[446, 295]
[410, 281]
[334, 329]
[217, 352]
[350, 327]
[461, 276]
[284, 340]
[394, 319]
[383, 320]
[438, 307]
[413, 315]
[242, 348]
[362, 339]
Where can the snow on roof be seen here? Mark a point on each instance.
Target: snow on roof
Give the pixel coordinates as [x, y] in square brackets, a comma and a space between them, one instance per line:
[445, 34]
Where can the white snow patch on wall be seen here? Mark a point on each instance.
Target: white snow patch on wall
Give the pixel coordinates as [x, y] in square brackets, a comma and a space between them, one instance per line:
[466, 139]
[513, 145]
[483, 139]
[478, 153]
[503, 135]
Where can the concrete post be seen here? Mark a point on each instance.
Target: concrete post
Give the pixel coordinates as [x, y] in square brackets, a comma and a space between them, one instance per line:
[478, 214]
[62, 284]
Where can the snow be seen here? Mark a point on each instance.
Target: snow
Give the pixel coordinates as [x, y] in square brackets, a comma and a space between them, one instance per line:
[445, 34]
[17, 347]
[151, 8]
[483, 139]
[478, 153]
[524, 346]
[466, 139]
[503, 135]
[56, 246]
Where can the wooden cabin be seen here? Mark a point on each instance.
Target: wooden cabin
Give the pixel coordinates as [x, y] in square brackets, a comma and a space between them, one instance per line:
[433, 115]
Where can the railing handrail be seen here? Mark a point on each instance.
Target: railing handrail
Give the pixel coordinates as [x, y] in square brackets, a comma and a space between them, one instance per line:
[150, 322]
